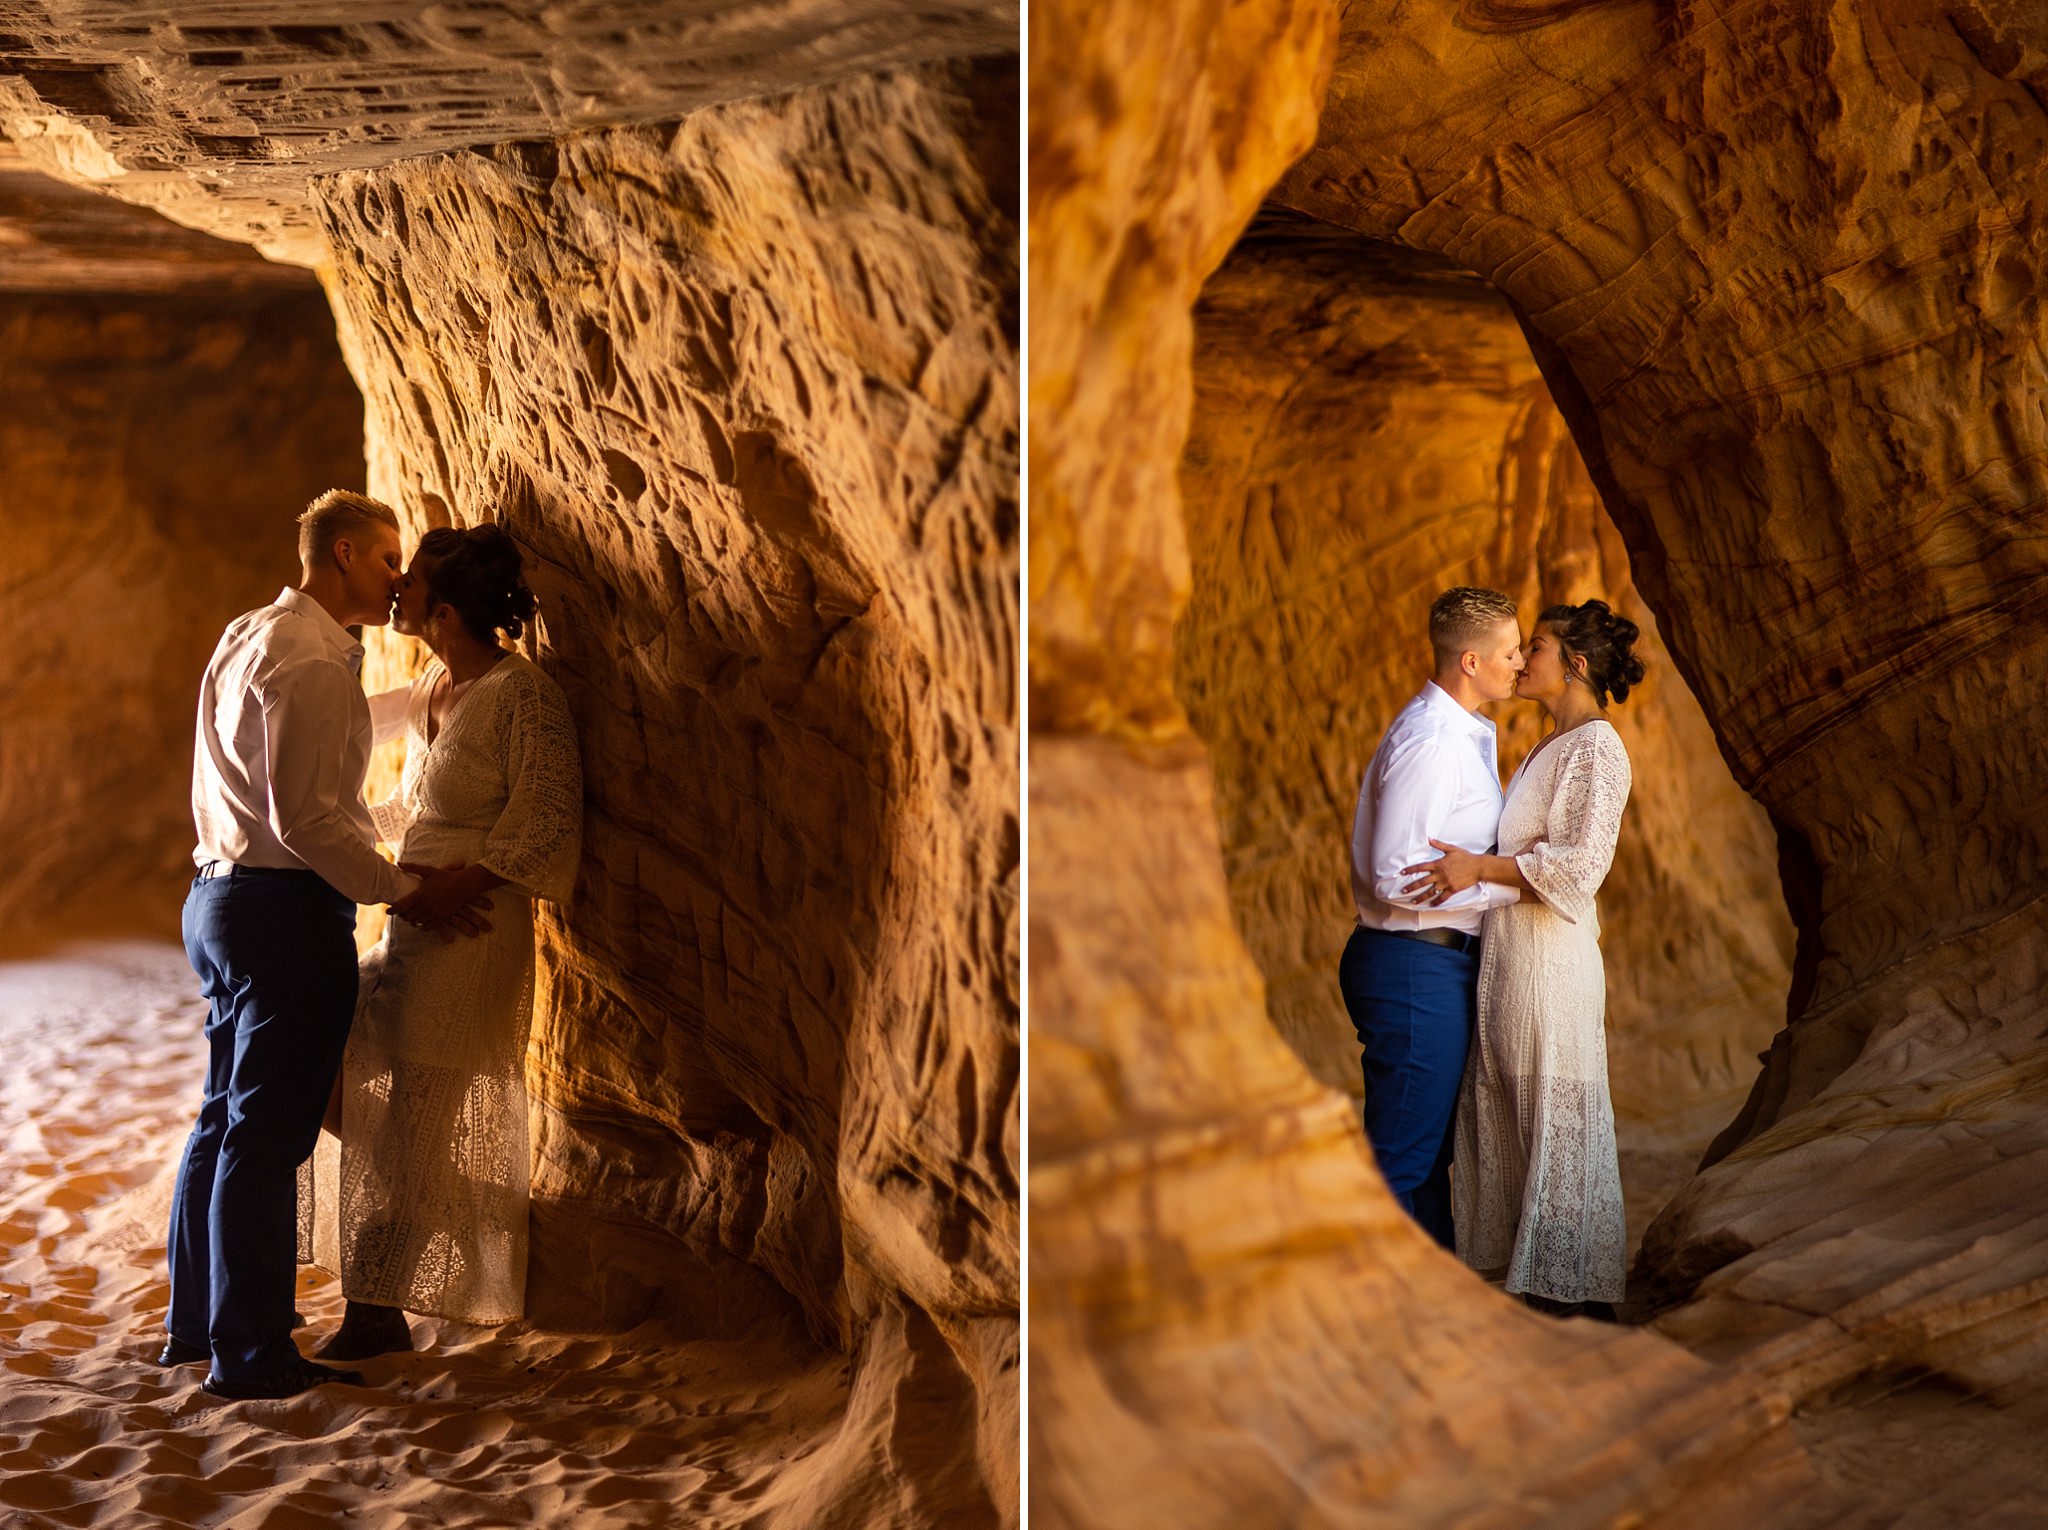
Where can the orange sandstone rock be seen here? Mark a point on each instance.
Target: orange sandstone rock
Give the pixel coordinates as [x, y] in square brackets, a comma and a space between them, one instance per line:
[221, 119]
[1231, 1321]
[758, 433]
[167, 404]
[1369, 428]
[718, 315]
[1777, 264]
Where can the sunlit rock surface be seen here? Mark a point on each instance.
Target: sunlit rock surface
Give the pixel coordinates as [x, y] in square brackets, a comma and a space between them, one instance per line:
[220, 115]
[1369, 428]
[168, 403]
[1231, 1322]
[759, 435]
[742, 380]
[1782, 264]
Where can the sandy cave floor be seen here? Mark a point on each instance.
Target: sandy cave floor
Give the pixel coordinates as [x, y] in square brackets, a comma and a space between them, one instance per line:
[100, 1058]
[100, 1054]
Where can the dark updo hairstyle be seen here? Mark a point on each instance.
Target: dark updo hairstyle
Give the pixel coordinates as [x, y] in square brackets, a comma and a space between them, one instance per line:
[1604, 640]
[477, 572]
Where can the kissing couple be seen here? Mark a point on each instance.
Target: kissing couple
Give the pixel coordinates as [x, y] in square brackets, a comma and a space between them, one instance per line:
[1474, 976]
[414, 1058]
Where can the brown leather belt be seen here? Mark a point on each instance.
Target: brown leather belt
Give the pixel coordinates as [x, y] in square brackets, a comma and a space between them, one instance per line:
[1457, 940]
[212, 869]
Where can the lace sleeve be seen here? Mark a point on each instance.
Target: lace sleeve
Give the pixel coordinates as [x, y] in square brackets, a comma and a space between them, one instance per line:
[391, 714]
[388, 712]
[538, 838]
[1567, 865]
[391, 817]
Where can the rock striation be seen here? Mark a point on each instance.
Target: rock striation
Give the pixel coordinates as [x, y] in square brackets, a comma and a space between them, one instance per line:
[219, 117]
[758, 433]
[1369, 427]
[1779, 277]
[1231, 1321]
[1776, 266]
[740, 375]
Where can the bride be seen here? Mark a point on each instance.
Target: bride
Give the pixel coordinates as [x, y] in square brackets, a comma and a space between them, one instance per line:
[422, 1204]
[1536, 1194]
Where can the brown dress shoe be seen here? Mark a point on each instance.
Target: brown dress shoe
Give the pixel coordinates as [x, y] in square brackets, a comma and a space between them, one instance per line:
[367, 1330]
[290, 1382]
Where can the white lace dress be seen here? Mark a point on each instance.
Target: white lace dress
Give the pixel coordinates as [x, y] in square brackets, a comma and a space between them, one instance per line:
[1536, 1190]
[422, 1205]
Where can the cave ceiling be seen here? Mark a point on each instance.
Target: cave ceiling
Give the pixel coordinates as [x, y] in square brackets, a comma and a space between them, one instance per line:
[219, 115]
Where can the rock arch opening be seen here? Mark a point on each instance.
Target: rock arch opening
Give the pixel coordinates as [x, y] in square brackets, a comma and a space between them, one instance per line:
[1370, 426]
[165, 397]
[1768, 262]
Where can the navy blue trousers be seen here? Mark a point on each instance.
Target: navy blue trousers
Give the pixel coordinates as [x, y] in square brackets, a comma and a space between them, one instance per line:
[276, 957]
[1414, 1006]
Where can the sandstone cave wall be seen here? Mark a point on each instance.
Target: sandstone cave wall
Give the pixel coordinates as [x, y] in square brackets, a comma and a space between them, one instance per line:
[1780, 271]
[1774, 264]
[1369, 427]
[165, 411]
[1232, 1322]
[218, 117]
[742, 380]
[744, 389]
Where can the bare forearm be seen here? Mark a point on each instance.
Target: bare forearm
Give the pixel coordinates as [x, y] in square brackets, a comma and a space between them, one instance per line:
[476, 880]
[1503, 870]
[449, 893]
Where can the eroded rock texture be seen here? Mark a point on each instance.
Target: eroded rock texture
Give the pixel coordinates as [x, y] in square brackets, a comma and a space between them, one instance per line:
[746, 395]
[1781, 268]
[742, 380]
[218, 116]
[1369, 427]
[167, 404]
[1231, 1322]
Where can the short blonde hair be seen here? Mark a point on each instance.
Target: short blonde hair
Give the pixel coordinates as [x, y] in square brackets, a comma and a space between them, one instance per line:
[335, 515]
[1461, 617]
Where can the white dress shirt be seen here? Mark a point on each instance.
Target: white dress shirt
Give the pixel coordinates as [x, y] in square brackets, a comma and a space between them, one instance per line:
[1436, 775]
[282, 748]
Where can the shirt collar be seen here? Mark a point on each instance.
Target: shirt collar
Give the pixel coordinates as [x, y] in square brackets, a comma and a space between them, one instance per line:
[337, 636]
[1469, 722]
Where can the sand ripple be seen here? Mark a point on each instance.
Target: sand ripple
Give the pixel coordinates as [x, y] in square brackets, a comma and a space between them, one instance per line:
[102, 1058]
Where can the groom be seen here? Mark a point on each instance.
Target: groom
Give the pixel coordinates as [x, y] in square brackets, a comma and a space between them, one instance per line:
[286, 852]
[1410, 972]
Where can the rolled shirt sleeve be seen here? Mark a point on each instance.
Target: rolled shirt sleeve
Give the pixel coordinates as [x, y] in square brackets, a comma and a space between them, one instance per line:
[308, 712]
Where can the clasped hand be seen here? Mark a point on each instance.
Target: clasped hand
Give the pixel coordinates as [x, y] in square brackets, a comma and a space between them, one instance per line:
[1455, 871]
[450, 900]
